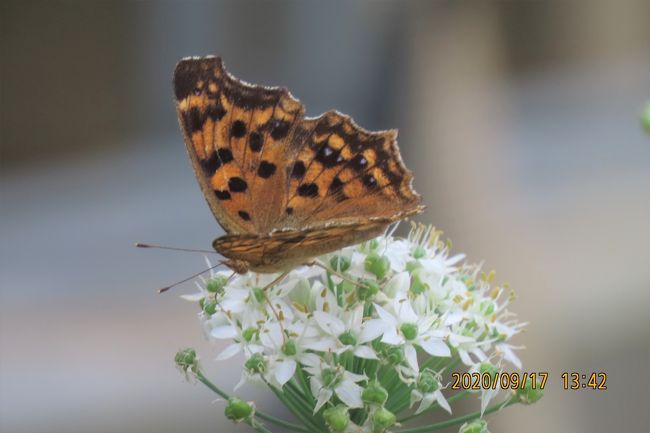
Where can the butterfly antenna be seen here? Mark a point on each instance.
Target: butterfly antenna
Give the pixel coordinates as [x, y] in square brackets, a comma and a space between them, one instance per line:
[163, 247]
[164, 289]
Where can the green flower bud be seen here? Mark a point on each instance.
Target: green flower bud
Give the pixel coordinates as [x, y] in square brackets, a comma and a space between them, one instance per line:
[367, 290]
[289, 348]
[409, 330]
[378, 265]
[476, 426]
[216, 284]
[330, 377]
[373, 244]
[419, 252]
[210, 307]
[348, 338]
[417, 285]
[645, 118]
[238, 410]
[382, 419]
[394, 355]
[487, 307]
[530, 393]
[201, 303]
[248, 334]
[186, 359]
[256, 363]
[259, 295]
[340, 263]
[374, 393]
[427, 382]
[488, 368]
[413, 265]
[337, 418]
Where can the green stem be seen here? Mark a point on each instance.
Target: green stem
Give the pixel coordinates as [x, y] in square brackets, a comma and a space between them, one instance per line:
[298, 412]
[305, 385]
[259, 414]
[455, 421]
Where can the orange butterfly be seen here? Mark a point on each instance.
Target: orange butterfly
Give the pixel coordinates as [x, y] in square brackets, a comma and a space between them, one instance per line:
[286, 188]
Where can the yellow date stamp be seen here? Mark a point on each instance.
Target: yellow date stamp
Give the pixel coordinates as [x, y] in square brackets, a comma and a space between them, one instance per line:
[503, 380]
[575, 381]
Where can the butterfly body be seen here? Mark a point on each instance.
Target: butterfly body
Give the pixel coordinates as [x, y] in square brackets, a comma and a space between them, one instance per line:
[285, 188]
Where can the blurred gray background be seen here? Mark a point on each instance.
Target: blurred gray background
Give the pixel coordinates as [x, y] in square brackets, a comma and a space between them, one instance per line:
[520, 121]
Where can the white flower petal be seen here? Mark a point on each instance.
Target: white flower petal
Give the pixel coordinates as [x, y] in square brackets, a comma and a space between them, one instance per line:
[285, 370]
[193, 297]
[229, 351]
[350, 394]
[405, 312]
[442, 401]
[224, 332]
[392, 337]
[320, 345]
[384, 315]
[324, 396]
[365, 352]
[411, 357]
[435, 347]
[427, 401]
[329, 323]
[371, 329]
[398, 284]
[486, 396]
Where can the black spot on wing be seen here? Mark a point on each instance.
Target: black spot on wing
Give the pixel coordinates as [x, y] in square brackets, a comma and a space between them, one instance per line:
[211, 164]
[298, 170]
[308, 190]
[193, 120]
[328, 156]
[238, 129]
[237, 184]
[336, 185]
[255, 141]
[215, 112]
[225, 155]
[244, 215]
[369, 181]
[266, 169]
[359, 163]
[223, 195]
[279, 129]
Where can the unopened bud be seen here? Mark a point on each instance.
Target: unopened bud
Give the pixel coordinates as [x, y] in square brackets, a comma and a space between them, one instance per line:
[382, 420]
[378, 265]
[337, 418]
[238, 410]
[374, 393]
[476, 426]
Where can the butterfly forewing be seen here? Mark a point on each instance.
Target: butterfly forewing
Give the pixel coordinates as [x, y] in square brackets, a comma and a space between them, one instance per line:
[237, 137]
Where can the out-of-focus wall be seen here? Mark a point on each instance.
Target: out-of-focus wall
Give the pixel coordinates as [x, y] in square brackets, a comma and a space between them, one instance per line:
[520, 122]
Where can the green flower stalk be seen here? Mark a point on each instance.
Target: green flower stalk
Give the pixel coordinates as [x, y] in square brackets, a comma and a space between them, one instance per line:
[366, 340]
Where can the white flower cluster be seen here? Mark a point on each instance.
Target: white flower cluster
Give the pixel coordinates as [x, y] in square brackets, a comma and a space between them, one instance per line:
[366, 334]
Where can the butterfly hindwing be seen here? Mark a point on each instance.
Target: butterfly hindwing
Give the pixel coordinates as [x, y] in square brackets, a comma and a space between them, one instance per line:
[344, 173]
[285, 249]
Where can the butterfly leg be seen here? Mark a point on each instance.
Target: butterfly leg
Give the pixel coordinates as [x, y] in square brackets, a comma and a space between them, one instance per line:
[268, 301]
[322, 265]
